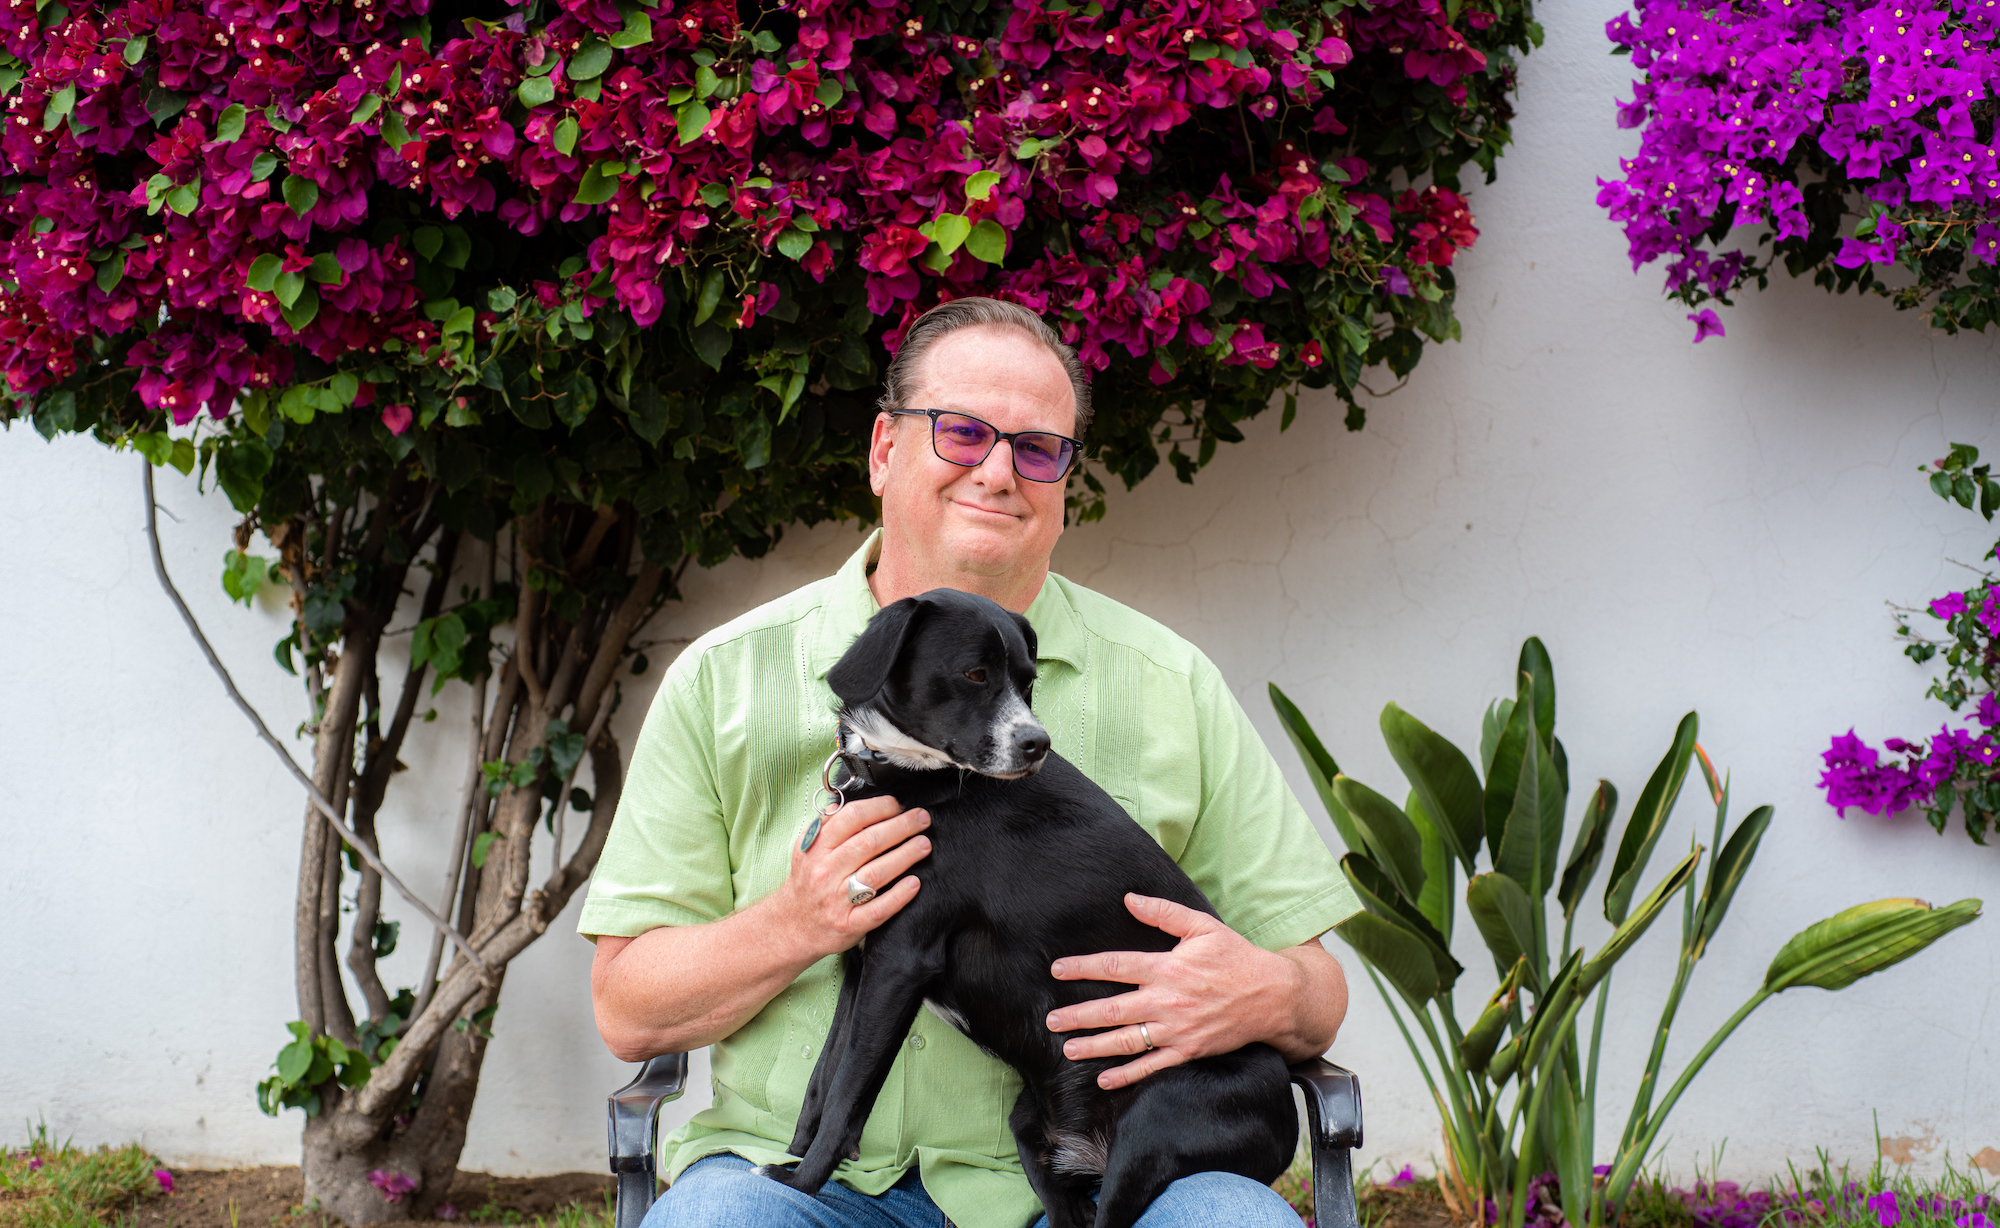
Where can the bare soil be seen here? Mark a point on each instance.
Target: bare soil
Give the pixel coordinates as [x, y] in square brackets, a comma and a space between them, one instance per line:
[271, 1198]
[1416, 1206]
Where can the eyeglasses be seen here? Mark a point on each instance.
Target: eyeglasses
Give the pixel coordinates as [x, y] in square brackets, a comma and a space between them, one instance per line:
[1039, 456]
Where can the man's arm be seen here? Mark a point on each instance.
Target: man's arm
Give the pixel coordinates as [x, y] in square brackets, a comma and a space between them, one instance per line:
[1213, 993]
[677, 988]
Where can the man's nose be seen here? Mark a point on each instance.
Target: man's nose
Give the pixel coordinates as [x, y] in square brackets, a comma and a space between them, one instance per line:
[996, 472]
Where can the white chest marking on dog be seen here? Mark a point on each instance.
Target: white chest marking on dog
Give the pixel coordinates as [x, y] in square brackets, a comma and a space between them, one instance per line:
[901, 749]
[949, 1015]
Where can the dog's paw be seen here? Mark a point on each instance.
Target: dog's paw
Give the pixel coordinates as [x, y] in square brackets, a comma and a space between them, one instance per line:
[779, 1173]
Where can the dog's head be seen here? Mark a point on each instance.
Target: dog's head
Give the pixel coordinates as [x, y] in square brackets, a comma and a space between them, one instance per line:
[945, 680]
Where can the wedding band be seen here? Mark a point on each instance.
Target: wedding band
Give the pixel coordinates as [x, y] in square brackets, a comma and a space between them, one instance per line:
[858, 892]
[1147, 1037]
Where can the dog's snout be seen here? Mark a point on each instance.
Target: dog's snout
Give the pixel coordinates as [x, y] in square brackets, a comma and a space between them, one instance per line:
[1031, 742]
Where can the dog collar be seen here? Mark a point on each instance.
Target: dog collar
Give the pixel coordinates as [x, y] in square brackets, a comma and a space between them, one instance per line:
[862, 765]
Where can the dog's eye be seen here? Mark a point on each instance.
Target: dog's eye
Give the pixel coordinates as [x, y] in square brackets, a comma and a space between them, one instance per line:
[977, 675]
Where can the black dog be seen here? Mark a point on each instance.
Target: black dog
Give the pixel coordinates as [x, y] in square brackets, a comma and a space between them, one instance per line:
[1030, 862]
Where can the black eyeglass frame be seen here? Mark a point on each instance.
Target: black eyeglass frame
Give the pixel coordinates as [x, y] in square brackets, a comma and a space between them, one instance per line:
[1075, 445]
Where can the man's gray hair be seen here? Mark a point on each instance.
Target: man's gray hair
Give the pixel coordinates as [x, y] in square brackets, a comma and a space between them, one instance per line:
[900, 381]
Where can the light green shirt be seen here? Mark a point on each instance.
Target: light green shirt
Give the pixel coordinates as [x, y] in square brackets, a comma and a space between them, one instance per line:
[723, 782]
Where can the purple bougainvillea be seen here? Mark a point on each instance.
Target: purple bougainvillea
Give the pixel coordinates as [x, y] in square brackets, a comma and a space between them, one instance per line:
[1850, 135]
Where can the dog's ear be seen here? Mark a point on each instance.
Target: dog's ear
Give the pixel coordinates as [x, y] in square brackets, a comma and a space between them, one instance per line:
[1028, 634]
[862, 670]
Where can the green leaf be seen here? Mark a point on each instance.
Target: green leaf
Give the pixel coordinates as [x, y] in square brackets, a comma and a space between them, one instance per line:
[1398, 954]
[1861, 941]
[987, 242]
[949, 232]
[301, 194]
[711, 295]
[690, 121]
[365, 109]
[979, 186]
[301, 312]
[1542, 675]
[1476, 1048]
[263, 166]
[1588, 848]
[288, 285]
[240, 469]
[1632, 927]
[1503, 774]
[1725, 874]
[565, 134]
[344, 387]
[183, 198]
[649, 412]
[638, 31]
[1379, 896]
[1442, 778]
[1392, 838]
[264, 272]
[135, 48]
[325, 270]
[1505, 917]
[111, 272]
[596, 186]
[1649, 819]
[58, 106]
[1439, 902]
[229, 124]
[1533, 840]
[1320, 768]
[588, 61]
[794, 243]
[294, 1060]
[1491, 727]
[481, 845]
[536, 92]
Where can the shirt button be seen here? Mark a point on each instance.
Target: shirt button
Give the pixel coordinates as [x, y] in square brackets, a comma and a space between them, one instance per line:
[806, 1051]
[916, 1042]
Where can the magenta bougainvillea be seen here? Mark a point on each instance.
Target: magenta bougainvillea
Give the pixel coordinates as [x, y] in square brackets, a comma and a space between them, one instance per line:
[1958, 768]
[307, 208]
[1856, 138]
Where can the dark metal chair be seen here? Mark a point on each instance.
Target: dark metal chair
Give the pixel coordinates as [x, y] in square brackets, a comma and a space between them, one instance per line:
[1333, 1125]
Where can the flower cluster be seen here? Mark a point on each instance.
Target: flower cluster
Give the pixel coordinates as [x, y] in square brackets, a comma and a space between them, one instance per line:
[1959, 767]
[1794, 115]
[209, 175]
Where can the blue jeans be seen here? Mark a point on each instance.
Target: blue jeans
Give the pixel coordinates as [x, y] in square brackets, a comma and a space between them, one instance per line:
[722, 1192]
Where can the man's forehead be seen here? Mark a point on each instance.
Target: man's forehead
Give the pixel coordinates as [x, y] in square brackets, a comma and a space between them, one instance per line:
[986, 368]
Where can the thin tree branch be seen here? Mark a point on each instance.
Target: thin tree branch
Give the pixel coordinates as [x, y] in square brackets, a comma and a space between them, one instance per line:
[562, 796]
[319, 801]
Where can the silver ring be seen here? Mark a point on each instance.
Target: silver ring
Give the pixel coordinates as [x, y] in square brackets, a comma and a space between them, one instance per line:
[1148, 1038]
[858, 892]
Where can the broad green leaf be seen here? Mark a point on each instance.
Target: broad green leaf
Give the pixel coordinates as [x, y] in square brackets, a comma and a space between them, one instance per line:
[1861, 941]
[536, 92]
[229, 124]
[301, 194]
[135, 48]
[588, 61]
[691, 120]
[302, 310]
[1391, 837]
[1442, 778]
[1476, 1047]
[565, 134]
[710, 296]
[1649, 819]
[987, 242]
[365, 109]
[794, 243]
[711, 344]
[1503, 774]
[1490, 729]
[596, 186]
[638, 31]
[1542, 675]
[1533, 840]
[1725, 873]
[1320, 768]
[1394, 951]
[1506, 920]
[345, 387]
[949, 232]
[111, 272]
[1439, 902]
[428, 240]
[294, 1060]
[1588, 849]
[651, 414]
[482, 845]
[183, 198]
[264, 272]
[1379, 896]
[979, 185]
[325, 270]
[289, 285]
[1630, 929]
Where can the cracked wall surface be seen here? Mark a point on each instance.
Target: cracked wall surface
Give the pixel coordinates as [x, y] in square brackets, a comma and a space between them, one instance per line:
[1710, 527]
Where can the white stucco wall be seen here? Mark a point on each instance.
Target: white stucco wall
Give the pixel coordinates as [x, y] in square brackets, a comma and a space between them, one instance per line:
[1712, 527]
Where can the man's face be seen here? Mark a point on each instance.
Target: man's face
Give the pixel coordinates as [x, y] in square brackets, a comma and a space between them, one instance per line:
[986, 520]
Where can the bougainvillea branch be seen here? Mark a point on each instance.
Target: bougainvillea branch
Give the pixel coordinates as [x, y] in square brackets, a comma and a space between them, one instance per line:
[1957, 768]
[1858, 137]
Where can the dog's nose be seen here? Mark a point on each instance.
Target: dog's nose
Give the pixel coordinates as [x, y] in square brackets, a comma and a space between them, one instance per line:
[1031, 743]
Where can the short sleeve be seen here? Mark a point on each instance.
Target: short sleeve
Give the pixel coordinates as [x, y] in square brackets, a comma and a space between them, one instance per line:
[1253, 851]
[666, 860]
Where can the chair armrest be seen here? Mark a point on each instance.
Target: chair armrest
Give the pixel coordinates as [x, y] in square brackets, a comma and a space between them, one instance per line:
[1333, 1127]
[634, 1125]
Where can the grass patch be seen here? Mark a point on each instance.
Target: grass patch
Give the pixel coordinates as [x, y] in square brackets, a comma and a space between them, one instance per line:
[59, 1185]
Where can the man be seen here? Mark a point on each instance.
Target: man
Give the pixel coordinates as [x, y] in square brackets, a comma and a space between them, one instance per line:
[714, 928]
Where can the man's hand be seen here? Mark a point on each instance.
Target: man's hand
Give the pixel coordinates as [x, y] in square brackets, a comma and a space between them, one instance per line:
[874, 840]
[1213, 993]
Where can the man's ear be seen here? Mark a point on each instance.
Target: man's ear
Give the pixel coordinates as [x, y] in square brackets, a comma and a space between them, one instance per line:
[1028, 634]
[862, 670]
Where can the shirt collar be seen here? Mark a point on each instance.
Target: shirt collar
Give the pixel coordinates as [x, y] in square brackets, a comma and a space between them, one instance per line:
[850, 603]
